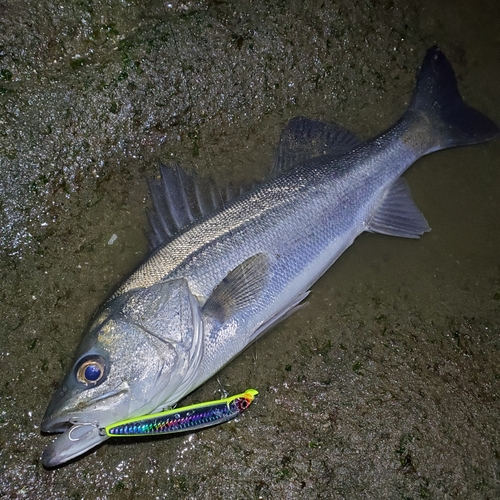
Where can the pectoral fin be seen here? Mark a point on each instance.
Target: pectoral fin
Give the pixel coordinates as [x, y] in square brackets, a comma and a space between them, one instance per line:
[239, 289]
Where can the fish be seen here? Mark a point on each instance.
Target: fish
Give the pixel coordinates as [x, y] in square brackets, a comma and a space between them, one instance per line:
[224, 271]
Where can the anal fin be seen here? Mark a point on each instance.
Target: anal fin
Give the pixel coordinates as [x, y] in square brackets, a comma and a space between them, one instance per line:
[397, 214]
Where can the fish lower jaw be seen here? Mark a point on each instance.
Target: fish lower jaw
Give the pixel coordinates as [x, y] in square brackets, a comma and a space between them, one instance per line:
[75, 441]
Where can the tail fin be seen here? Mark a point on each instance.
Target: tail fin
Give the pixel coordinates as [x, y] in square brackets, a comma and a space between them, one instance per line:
[437, 96]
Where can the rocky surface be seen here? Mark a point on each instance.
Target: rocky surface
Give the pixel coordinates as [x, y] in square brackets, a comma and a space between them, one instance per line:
[387, 384]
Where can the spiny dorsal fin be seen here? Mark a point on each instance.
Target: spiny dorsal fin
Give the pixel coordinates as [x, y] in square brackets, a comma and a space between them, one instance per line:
[303, 139]
[398, 215]
[179, 199]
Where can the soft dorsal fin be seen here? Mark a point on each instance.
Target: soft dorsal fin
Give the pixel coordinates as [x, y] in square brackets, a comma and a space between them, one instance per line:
[397, 214]
[303, 139]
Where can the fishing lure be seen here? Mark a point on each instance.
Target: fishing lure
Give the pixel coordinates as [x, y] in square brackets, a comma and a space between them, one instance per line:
[187, 418]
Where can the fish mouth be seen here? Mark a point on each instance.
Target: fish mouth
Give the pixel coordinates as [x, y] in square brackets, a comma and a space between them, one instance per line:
[54, 425]
[58, 419]
[51, 425]
[81, 429]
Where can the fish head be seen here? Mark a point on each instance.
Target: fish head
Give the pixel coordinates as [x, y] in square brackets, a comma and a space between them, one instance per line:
[141, 352]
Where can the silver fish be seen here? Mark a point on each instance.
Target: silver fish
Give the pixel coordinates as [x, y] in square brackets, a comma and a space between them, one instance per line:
[222, 274]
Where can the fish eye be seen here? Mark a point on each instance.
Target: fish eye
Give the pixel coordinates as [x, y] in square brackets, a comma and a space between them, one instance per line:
[91, 370]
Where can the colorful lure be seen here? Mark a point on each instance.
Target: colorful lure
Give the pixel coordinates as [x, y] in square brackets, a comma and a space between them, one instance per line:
[188, 418]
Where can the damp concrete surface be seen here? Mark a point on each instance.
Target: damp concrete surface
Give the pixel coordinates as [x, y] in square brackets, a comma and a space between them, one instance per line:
[387, 384]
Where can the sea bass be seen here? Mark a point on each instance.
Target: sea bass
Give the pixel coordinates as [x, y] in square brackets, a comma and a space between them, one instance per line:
[220, 276]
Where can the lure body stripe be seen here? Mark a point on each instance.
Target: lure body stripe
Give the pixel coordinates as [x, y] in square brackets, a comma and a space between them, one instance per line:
[183, 419]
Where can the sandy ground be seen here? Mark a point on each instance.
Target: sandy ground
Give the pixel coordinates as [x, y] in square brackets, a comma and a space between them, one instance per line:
[387, 384]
